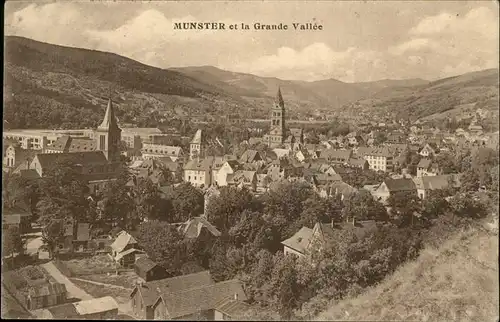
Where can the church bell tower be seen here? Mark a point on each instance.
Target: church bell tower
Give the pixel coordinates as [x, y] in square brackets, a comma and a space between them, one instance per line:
[108, 135]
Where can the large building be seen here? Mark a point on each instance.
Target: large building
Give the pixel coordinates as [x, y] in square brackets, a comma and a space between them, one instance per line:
[98, 160]
[277, 134]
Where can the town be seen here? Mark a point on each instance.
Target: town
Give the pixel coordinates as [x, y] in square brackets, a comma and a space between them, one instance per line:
[123, 222]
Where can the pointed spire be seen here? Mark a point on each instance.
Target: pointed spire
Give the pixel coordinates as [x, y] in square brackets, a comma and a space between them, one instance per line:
[109, 120]
[279, 98]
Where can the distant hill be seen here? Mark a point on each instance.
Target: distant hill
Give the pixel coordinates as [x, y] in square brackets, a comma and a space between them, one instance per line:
[54, 85]
[300, 96]
[478, 90]
[458, 281]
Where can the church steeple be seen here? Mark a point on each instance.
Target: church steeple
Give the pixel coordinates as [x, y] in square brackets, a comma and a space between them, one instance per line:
[279, 99]
[109, 121]
[108, 134]
[278, 126]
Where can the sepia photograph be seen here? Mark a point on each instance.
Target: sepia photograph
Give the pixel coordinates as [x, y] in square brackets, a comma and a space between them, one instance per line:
[250, 160]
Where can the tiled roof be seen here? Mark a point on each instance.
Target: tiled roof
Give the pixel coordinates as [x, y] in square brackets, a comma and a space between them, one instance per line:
[300, 240]
[145, 264]
[424, 163]
[150, 291]
[97, 305]
[232, 307]
[437, 182]
[360, 228]
[47, 289]
[47, 160]
[122, 240]
[333, 154]
[396, 185]
[198, 138]
[83, 232]
[242, 176]
[249, 156]
[192, 228]
[127, 252]
[195, 300]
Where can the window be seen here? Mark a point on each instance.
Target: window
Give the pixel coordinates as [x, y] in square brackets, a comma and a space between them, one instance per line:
[102, 142]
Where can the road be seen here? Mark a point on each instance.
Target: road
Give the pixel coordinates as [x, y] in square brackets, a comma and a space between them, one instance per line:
[72, 289]
[75, 292]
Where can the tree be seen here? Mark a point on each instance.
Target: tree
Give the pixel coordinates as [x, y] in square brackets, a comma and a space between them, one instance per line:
[117, 204]
[186, 201]
[147, 200]
[317, 209]
[225, 209]
[362, 206]
[284, 287]
[467, 205]
[405, 205]
[11, 241]
[53, 234]
[435, 204]
[64, 193]
[284, 205]
[164, 244]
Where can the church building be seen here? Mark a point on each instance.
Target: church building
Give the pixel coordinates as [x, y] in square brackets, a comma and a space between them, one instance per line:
[98, 161]
[280, 135]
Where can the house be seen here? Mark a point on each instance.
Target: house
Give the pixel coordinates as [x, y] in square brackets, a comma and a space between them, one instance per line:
[337, 188]
[379, 159]
[230, 309]
[144, 295]
[426, 167]
[197, 226]
[196, 303]
[152, 151]
[396, 138]
[306, 240]
[243, 178]
[202, 172]
[148, 270]
[14, 156]
[282, 153]
[103, 308]
[124, 249]
[428, 150]
[425, 184]
[298, 243]
[229, 167]
[250, 156]
[17, 217]
[82, 237]
[336, 156]
[392, 186]
[358, 163]
[475, 129]
[324, 179]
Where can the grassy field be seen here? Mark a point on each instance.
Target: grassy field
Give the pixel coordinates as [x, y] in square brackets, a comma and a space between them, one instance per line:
[93, 265]
[457, 281]
[125, 279]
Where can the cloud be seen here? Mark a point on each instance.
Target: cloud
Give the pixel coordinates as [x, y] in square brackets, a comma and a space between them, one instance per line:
[314, 62]
[53, 22]
[439, 45]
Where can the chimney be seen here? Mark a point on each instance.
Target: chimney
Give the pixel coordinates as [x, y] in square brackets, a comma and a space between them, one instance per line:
[236, 296]
[354, 221]
[331, 223]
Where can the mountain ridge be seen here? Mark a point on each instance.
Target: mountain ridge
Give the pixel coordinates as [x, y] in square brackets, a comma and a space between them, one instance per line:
[62, 86]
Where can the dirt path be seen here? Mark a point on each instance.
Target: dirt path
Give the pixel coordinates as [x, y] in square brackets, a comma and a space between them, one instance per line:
[72, 289]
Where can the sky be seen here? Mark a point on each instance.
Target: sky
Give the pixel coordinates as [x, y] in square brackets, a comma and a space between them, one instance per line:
[360, 41]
